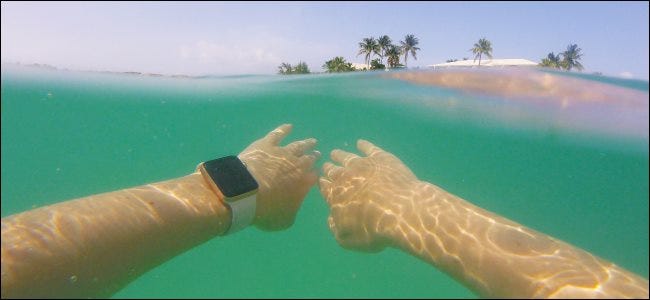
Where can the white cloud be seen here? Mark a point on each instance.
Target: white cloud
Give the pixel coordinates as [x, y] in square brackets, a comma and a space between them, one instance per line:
[626, 74]
[228, 57]
[259, 52]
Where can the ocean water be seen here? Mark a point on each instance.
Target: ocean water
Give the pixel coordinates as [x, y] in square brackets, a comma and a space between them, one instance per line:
[66, 135]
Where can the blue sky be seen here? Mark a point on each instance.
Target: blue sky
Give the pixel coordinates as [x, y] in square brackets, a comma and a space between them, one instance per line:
[254, 38]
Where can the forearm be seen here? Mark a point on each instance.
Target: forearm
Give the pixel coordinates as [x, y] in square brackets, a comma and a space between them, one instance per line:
[496, 257]
[93, 246]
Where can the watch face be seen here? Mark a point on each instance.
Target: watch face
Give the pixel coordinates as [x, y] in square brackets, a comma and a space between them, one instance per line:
[231, 176]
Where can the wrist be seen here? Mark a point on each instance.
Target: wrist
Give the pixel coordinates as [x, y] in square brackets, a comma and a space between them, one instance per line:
[235, 188]
[203, 208]
[406, 232]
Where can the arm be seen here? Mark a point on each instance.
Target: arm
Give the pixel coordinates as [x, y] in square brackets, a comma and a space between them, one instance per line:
[94, 246]
[376, 201]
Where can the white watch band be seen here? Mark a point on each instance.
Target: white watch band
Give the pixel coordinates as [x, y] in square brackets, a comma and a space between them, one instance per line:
[243, 213]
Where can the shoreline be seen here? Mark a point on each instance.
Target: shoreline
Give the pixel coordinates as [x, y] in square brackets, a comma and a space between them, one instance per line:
[132, 73]
[143, 74]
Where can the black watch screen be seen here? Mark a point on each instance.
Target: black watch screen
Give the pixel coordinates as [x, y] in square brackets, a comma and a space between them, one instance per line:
[231, 176]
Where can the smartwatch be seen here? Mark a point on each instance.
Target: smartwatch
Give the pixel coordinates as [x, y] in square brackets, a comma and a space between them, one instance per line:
[229, 177]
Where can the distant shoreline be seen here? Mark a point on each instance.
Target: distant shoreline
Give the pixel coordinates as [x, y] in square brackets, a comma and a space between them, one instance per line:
[184, 76]
[134, 73]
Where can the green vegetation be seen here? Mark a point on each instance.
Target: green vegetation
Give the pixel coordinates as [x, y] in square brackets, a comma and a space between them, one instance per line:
[393, 53]
[409, 46]
[384, 43]
[551, 61]
[287, 69]
[382, 47]
[570, 59]
[375, 64]
[301, 68]
[483, 46]
[369, 46]
[337, 65]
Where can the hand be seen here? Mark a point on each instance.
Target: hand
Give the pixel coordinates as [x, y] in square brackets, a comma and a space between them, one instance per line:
[284, 174]
[366, 196]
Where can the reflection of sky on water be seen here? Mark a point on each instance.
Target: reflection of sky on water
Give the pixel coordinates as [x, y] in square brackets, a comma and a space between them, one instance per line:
[542, 99]
[553, 101]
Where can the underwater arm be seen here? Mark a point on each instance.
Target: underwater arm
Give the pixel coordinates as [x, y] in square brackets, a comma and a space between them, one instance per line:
[96, 245]
[496, 257]
[376, 201]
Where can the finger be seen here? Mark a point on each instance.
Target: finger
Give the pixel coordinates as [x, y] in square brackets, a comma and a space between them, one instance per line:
[331, 171]
[368, 148]
[299, 148]
[316, 154]
[325, 187]
[307, 161]
[342, 157]
[275, 137]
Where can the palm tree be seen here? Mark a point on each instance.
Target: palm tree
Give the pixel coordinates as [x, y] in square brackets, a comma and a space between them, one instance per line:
[384, 43]
[552, 61]
[284, 68]
[375, 64]
[368, 46]
[393, 52]
[338, 64]
[482, 47]
[301, 68]
[409, 45]
[571, 58]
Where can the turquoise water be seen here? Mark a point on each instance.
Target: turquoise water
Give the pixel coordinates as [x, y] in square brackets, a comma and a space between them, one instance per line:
[67, 135]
